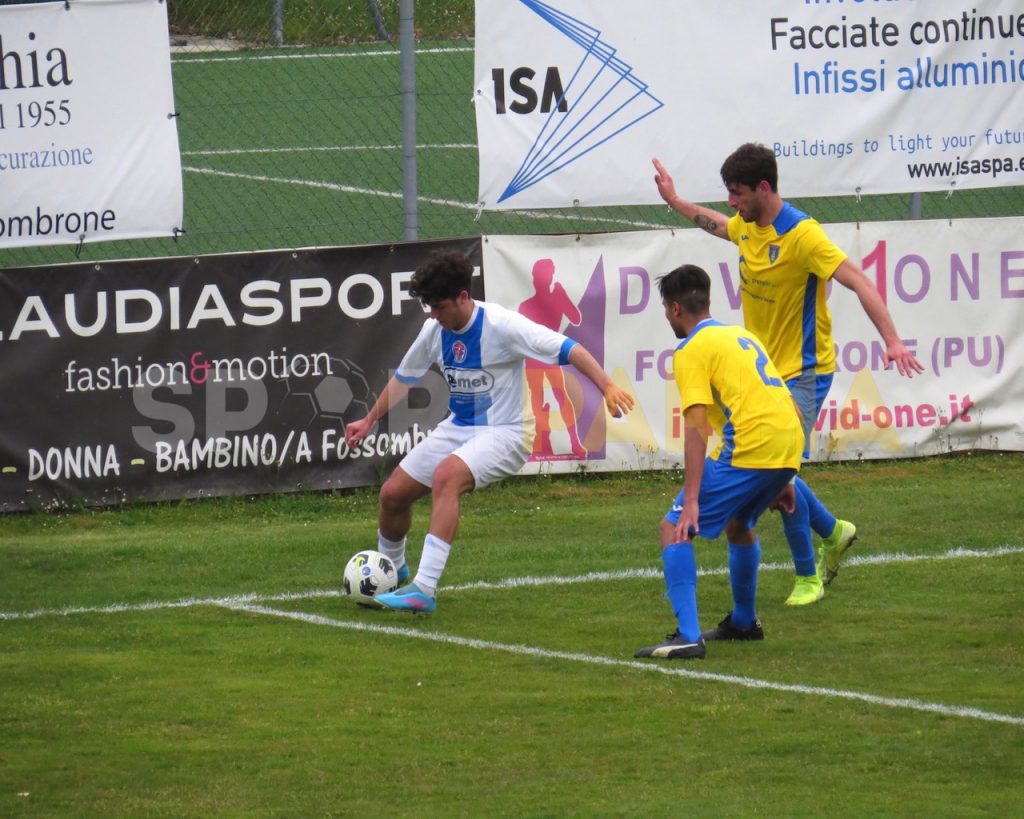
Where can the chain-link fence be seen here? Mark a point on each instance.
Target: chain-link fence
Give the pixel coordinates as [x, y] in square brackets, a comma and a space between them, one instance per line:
[291, 130]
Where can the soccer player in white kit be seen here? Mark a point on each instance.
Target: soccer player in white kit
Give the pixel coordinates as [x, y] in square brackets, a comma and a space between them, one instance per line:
[481, 349]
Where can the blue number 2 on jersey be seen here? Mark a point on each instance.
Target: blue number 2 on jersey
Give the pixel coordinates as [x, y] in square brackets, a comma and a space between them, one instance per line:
[762, 360]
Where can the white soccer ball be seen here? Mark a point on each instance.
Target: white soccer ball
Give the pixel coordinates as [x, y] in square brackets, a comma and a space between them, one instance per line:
[368, 574]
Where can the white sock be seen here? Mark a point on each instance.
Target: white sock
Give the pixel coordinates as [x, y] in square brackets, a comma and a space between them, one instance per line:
[394, 549]
[432, 561]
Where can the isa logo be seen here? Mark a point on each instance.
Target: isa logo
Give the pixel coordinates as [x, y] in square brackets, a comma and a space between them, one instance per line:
[601, 99]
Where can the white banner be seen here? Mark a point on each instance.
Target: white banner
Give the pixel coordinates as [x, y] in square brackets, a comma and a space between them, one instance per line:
[574, 97]
[88, 131]
[956, 293]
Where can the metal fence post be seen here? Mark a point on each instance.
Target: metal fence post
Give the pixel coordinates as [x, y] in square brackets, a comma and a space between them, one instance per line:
[407, 46]
[378, 20]
[915, 206]
[277, 21]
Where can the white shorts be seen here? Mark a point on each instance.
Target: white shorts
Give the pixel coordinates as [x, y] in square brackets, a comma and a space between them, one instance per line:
[491, 453]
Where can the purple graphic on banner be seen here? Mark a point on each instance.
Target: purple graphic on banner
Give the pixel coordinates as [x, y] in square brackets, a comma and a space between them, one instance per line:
[590, 333]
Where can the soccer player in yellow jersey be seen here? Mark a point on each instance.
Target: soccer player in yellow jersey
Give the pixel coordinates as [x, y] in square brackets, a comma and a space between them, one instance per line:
[727, 384]
[785, 261]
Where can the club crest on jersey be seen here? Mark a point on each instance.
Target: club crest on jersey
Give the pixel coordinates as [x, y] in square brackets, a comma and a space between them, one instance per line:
[459, 351]
[773, 253]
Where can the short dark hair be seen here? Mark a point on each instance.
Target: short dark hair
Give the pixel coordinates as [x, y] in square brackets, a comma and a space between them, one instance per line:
[444, 275]
[750, 164]
[688, 285]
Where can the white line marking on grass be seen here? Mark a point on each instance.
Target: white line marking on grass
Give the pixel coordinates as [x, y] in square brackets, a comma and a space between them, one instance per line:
[331, 186]
[508, 583]
[332, 55]
[157, 605]
[451, 203]
[904, 703]
[326, 148]
[642, 574]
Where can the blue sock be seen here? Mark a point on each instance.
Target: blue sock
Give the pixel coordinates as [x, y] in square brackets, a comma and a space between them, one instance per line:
[743, 563]
[681, 585]
[797, 527]
[822, 521]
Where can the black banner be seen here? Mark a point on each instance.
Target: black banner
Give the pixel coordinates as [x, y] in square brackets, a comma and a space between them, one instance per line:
[232, 374]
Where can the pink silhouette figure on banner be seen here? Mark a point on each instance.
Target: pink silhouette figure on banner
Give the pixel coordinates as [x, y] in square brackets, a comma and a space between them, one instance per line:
[548, 306]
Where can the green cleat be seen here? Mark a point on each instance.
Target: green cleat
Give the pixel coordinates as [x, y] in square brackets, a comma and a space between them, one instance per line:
[834, 548]
[806, 591]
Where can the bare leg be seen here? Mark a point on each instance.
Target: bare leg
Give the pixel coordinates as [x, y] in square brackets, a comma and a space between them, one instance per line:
[397, 496]
[452, 479]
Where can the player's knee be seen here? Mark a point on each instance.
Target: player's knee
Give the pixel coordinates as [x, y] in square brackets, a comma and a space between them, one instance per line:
[666, 532]
[739, 533]
[452, 477]
[392, 498]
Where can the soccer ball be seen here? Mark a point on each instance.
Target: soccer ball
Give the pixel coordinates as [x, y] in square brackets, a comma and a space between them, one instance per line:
[368, 574]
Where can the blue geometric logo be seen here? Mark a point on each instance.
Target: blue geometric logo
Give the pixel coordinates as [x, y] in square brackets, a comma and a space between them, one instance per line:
[606, 99]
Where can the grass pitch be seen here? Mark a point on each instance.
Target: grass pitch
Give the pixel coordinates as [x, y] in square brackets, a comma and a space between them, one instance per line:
[195, 659]
[301, 146]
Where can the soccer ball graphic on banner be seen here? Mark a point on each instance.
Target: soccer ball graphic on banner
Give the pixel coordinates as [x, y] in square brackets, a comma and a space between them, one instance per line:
[342, 396]
[368, 574]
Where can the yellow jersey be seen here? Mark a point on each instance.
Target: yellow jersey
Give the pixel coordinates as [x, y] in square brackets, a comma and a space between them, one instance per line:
[724, 367]
[783, 271]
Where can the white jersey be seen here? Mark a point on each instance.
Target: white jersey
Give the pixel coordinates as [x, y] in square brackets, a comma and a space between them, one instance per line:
[484, 362]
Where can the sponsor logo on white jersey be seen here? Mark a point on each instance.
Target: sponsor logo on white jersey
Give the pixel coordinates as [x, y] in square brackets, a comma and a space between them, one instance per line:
[468, 382]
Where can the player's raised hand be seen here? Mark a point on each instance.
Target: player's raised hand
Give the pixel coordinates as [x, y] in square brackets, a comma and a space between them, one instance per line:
[618, 401]
[666, 187]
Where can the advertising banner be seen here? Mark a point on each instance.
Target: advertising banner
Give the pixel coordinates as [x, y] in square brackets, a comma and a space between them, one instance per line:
[235, 374]
[955, 291]
[183, 377]
[88, 128]
[574, 97]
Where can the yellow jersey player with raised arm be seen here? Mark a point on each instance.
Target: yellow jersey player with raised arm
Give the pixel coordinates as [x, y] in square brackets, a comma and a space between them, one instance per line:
[785, 261]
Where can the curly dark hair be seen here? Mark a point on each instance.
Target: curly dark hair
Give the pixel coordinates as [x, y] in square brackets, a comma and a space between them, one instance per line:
[750, 164]
[443, 275]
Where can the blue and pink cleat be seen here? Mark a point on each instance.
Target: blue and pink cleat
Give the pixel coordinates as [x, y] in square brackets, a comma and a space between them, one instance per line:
[408, 598]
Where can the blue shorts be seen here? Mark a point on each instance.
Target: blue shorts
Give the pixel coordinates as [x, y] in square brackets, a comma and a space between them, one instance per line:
[809, 391]
[727, 493]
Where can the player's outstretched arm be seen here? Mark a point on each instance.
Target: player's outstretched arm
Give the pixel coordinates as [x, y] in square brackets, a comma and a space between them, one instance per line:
[394, 392]
[618, 401]
[707, 219]
[852, 277]
[695, 448]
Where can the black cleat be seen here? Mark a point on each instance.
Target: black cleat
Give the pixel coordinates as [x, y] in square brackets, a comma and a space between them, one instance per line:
[727, 630]
[675, 647]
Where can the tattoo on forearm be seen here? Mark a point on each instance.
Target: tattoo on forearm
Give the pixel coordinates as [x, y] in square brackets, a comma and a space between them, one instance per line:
[705, 223]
